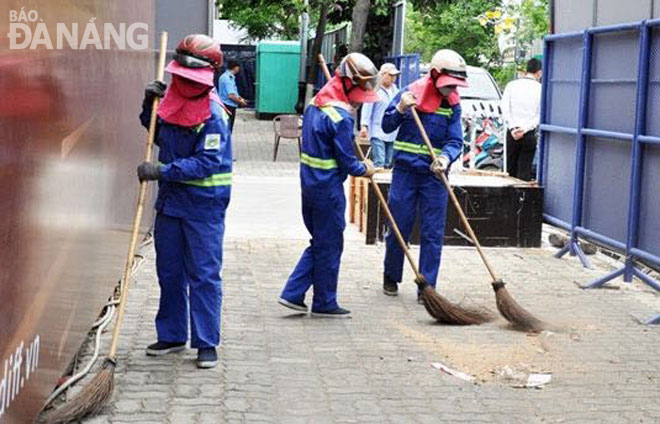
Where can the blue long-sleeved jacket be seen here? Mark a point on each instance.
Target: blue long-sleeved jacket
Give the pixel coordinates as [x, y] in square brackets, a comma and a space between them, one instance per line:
[442, 126]
[197, 164]
[327, 156]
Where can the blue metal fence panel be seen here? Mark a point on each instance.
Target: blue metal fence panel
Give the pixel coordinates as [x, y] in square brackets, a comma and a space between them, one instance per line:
[606, 200]
[564, 74]
[408, 64]
[561, 109]
[559, 176]
[610, 139]
[653, 101]
[613, 81]
[649, 231]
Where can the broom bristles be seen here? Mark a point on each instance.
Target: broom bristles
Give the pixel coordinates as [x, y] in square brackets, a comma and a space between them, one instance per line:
[91, 399]
[447, 313]
[513, 312]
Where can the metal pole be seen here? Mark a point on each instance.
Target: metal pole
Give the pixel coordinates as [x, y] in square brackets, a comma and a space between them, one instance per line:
[304, 29]
[545, 84]
[302, 74]
[578, 189]
[636, 161]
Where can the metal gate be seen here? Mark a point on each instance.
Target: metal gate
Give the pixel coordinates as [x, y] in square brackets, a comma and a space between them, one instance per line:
[408, 64]
[600, 147]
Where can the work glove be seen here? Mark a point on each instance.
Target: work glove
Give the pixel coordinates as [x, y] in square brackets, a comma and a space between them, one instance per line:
[148, 171]
[154, 89]
[408, 99]
[371, 170]
[440, 165]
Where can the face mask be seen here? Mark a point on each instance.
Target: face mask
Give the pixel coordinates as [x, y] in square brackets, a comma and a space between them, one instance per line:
[189, 89]
[446, 91]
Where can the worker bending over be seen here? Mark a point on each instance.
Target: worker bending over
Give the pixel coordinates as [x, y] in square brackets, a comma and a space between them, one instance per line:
[327, 158]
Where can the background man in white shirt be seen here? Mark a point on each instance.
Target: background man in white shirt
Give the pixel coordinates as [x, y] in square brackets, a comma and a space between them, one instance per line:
[521, 104]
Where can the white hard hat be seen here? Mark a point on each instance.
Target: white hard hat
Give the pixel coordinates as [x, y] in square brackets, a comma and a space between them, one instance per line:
[450, 67]
[359, 69]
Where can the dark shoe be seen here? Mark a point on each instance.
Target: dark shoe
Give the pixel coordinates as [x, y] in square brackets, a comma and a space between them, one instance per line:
[419, 299]
[336, 313]
[207, 357]
[163, 348]
[301, 307]
[390, 288]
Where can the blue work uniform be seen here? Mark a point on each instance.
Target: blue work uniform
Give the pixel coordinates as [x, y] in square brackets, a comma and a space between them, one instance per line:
[327, 158]
[193, 194]
[415, 188]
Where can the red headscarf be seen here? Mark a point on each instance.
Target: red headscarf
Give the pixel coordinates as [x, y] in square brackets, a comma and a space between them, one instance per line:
[428, 97]
[186, 103]
[333, 94]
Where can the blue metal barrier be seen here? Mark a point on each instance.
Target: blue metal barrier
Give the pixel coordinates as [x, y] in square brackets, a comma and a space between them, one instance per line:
[408, 64]
[614, 200]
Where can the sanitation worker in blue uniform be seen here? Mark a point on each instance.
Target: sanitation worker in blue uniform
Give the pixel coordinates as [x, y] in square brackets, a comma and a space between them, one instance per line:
[194, 184]
[416, 187]
[327, 158]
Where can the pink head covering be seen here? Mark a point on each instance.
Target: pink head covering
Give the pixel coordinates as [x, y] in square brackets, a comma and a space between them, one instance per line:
[187, 101]
[333, 93]
[428, 97]
[201, 75]
[444, 80]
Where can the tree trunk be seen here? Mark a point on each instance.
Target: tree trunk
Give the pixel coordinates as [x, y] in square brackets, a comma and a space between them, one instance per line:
[318, 41]
[359, 19]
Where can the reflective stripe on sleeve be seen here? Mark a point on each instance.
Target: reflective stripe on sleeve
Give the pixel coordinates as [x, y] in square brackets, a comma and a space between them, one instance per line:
[318, 163]
[214, 180]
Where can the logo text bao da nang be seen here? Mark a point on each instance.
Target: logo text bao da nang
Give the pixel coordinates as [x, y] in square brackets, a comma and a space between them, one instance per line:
[28, 31]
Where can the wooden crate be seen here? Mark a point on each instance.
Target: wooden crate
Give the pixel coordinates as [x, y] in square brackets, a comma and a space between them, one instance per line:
[503, 211]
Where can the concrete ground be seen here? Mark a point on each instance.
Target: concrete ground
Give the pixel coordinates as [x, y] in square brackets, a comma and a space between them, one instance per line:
[279, 367]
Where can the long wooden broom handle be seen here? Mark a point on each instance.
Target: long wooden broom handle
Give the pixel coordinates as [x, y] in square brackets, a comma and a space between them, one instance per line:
[137, 219]
[454, 200]
[379, 193]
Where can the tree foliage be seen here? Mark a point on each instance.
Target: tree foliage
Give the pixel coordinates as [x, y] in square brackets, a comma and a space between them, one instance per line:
[453, 25]
[532, 18]
[264, 19]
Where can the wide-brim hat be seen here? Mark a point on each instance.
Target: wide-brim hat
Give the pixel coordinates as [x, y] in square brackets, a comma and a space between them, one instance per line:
[445, 79]
[201, 75]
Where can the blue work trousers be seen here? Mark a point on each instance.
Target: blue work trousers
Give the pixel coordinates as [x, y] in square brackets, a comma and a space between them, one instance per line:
[411, 192]
[382, 152]
[324, 216]
[188, 264]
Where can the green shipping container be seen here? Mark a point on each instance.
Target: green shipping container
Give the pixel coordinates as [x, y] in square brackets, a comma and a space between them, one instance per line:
[278, 65]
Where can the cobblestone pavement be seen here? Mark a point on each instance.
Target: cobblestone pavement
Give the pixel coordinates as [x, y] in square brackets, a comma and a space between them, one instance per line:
[278, 367]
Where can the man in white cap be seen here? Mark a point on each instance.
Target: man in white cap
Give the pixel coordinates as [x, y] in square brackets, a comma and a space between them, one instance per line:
[382, 143]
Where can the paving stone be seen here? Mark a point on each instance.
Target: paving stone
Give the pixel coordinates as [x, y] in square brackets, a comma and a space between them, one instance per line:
[280, 367]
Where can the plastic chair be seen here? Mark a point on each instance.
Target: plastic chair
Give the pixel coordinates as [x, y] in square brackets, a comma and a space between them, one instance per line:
[287, 126]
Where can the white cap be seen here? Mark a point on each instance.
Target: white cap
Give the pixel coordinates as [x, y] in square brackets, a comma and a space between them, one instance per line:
[389, 68]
